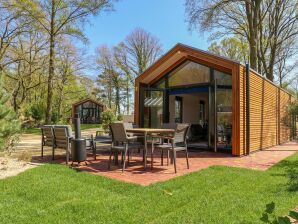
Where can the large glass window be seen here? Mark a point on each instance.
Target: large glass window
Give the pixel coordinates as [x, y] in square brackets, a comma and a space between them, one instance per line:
[189, 73]
[89, 112]
[153, 108]
[178, 109]
[223, 79]
[212, 104]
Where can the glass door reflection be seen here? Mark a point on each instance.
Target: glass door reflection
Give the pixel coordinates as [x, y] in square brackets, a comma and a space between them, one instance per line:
[153, 104]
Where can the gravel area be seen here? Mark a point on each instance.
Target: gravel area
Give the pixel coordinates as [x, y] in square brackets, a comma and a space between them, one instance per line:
[29, 145]
[12, 166]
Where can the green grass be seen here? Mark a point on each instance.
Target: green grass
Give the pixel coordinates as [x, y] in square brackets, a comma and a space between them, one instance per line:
[37, 130]
[31, 131]
[89, 126]
[58, 194]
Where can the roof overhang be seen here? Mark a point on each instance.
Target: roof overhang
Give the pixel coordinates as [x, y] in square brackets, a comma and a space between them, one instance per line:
[86, 100]
[177, 55]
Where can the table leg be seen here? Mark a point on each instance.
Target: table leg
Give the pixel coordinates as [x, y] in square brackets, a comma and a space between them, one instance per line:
[146, 149]
[152, 151]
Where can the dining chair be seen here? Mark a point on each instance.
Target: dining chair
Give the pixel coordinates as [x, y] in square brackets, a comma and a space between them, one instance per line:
[121, 142]
[177, 142]
[140, 136]
[164, 138]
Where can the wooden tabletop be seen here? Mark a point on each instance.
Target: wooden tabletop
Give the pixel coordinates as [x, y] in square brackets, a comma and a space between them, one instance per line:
[150, 130]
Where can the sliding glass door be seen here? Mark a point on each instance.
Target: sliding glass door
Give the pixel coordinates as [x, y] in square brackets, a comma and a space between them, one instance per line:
[223, 110]
[152, 107]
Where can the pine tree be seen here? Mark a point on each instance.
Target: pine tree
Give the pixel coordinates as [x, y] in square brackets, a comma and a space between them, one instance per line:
[9, 124]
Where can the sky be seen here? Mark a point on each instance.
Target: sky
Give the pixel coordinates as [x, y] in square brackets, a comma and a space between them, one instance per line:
[164, 19]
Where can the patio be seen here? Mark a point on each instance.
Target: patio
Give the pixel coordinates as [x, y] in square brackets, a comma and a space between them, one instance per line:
[135, 173]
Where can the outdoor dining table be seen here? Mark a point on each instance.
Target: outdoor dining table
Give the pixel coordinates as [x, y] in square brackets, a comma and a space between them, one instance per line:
[147, 132]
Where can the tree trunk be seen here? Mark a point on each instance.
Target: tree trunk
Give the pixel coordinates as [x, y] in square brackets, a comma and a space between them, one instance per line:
[252, 10]
[51, 67]
[118, 99]
[59, 103]
[127, 97]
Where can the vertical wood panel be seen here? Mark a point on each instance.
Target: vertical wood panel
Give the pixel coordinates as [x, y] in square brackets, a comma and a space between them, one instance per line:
[236, 148]
[268, 113]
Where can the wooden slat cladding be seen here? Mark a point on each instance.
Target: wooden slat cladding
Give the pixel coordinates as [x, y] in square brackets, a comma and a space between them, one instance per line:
[242, 117]
[268, 113]
[284, 117]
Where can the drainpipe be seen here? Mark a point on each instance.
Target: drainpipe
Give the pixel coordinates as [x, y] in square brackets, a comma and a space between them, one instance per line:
[247, 151]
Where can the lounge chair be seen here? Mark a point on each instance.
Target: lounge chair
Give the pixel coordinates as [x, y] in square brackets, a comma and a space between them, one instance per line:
[63, 135]
[47, 138]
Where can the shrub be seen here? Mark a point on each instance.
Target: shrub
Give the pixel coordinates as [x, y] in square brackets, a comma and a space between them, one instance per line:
[269, 216]
[107, 117]
[37, 111]
[55, 117]
[119, 117]
[9, 124]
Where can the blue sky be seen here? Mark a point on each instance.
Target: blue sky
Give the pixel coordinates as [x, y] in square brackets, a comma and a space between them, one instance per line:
[165, 19]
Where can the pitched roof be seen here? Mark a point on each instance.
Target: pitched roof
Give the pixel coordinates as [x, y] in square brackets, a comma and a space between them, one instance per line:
[181, 52]
[86, 100]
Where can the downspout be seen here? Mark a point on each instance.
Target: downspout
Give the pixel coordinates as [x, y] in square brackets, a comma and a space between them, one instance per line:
[247, 151]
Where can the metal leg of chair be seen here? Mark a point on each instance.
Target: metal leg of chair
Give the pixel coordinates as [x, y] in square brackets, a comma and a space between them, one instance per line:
[110, 160]
[128, 159]
[146, 150]
[168, 157]
[122, 157]
[143, 155]
[94, 150]
[67, 155]
[152, 151]
[116, 159]
[125, 154]
[174, 159]
[53, 152]
[161, 157]
[41, 149]
[187, 158]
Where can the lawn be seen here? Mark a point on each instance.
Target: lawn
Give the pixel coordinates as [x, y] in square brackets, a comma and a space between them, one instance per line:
[37, 130]
[58, 194]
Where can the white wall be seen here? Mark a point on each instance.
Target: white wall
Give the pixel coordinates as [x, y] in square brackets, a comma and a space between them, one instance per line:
[191, 103]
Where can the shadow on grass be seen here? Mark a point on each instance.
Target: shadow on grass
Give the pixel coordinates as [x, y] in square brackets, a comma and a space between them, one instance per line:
[289, 169]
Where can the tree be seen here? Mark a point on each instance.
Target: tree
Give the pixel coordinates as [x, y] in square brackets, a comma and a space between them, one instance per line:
[70, 63]
[286, 64]
[26, 72]
[110, 77]
[11, 25]
[277, 34]
[231, 47]
[121, 60]
[142, 50]
[9, 124]
[238, 17]
[57, 18]
[265, 24]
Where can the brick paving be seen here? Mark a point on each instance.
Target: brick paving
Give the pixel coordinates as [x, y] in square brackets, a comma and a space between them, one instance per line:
[135, 173]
